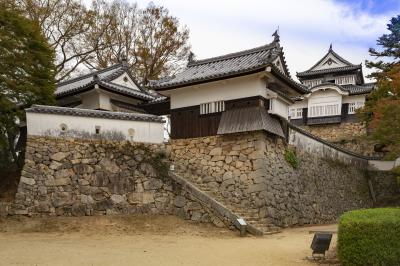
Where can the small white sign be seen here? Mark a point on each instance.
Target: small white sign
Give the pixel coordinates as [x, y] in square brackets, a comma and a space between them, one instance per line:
[241, 221]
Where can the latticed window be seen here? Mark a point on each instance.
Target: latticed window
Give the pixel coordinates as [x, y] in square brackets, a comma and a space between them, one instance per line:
[296, 113]
[313, 82]
[324, 110]
[354, 106]
[212, 107]
[345, 80]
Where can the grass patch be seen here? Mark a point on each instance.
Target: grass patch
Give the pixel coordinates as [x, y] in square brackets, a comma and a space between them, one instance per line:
[291, 158]
[370, 237]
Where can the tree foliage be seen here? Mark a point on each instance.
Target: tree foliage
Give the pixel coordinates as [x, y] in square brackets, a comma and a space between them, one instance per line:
[67, 25]
[391, 48]
[152, 41]
[26, 78]
[382, 110]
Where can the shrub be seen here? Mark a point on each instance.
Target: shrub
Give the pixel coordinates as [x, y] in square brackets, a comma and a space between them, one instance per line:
[292, 159]
[370, 237]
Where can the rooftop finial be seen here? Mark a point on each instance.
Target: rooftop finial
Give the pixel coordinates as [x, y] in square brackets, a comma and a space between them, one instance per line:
[191, 57]
[330, 47]
[276, 35]
[123, 60]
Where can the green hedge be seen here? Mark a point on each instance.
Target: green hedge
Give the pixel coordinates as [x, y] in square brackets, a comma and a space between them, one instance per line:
[370, 237]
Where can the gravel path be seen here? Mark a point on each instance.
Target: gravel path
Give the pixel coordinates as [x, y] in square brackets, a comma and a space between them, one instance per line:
[154, 240]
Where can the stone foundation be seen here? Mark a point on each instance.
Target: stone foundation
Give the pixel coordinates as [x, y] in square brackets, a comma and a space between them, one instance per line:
[87, 177]
[217, 179]
[338, 132]
[249, 172]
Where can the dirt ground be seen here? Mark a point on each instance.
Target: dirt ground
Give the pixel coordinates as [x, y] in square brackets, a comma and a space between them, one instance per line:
[145, 240]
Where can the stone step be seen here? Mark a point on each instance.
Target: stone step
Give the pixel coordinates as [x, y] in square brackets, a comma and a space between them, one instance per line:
[251, 221]
[267, 228]
[248, 214]
[261, 224]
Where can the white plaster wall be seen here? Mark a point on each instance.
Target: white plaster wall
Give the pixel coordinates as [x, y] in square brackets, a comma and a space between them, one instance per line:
[49, 124]
[279, 108]
[236, 88]
[104, 101]
[90, 100]
[326, 97]
[120, 80]
[313, 146]
[300, 104]
[382, 165]
[278, 64]
[354, 98]
[100, 99]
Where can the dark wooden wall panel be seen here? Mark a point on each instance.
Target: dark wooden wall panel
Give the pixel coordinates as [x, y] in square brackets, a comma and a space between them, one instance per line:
[188, 123]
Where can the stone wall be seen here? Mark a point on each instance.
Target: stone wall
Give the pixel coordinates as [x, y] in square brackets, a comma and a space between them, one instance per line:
[338, 132]
[87, 177]
[359, 145]
[303, 140]
[5, 208]
[217, 179]
[249, 172]
[349, 135]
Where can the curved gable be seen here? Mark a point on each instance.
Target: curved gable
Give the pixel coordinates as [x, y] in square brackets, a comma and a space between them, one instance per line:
[329, 61]
[327, 87]
[125, 80]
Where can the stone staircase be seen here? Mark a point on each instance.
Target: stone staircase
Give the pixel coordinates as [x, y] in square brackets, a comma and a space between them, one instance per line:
[256, 225]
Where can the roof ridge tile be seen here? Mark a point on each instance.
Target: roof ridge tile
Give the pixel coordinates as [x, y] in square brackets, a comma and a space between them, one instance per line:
[231, 55]
[327, 70]
[69, 81]
[93, 113]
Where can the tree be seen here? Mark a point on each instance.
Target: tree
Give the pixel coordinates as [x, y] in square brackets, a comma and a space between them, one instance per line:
[26, 77]
[152, 40]
[67, 25]
[382, 110]
[119, 37]
[391, 44]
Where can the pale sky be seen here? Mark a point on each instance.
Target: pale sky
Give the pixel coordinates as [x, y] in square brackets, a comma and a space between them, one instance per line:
[306, 27]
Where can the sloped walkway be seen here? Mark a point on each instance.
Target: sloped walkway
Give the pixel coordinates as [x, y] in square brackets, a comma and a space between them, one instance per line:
[257, 225]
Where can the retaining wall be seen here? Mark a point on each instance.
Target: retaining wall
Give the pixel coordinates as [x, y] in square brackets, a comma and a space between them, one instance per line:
[75, 177]
[249, 170]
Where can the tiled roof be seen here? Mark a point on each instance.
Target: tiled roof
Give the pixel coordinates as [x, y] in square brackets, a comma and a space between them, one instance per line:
[45, 109]
[127, 106]
[249, 119]
[330, 51]
[126, 90]
[348, 67]
[226, 66]
[358, 89]
[328, 70]
[73, 84]
[159, 100]
[352, 89]
[102, 78]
